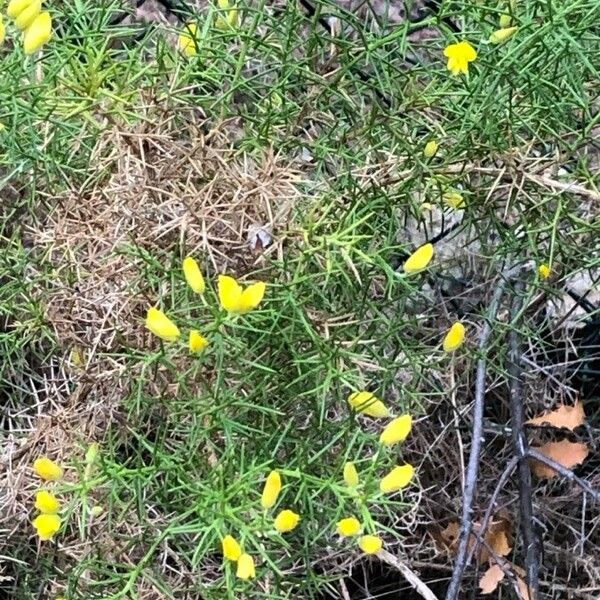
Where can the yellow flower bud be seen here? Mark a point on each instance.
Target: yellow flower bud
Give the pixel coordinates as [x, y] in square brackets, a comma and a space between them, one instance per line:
[370, 544]
[96, 510]
[193, 275]
[430, 149]
[454, 200]
[245, 567]
[350, 475]
[348, 527]
[231, 549]
[187, 39]
[47, 469]
[396, 431]
[231, 15]
[502, 35]
[455, 337]
[368, 404]
[2, 38]
[27, 16]
[286, 520]
[544, 271]
[46, 502]
[197, 341]
[15, 7]
[505, 20]
[271, 490]
[38, 33]
[396, 479]
[47, 526]
[419, 259]
[161, 326]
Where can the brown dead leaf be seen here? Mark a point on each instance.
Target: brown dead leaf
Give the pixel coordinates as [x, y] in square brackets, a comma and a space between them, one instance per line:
[569, 417]
[524, 589]
[566, 453]
[490, 579]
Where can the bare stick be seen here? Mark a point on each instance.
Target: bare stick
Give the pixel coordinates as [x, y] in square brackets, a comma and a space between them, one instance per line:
[421, 588]
[466, 524]
[582, 483]
[521, 446]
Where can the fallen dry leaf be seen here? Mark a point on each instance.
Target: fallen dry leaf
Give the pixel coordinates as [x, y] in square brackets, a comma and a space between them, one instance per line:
[566, 453]
[524, 589]
[490, 579]
[569, 417]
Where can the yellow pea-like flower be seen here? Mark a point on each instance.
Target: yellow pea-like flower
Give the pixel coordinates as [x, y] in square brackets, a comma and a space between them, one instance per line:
[454, 200]
[46, 526]
[2, 38]
[370, 544]
[502, 35]
[455, 337]
[544, 271]
[38, 33]
[368, 404]
[419, 259]
[430, 149]
[231, 15]
[235, 299]
[396, 479]
[28, 15]
[15, 7]
[187, 39]
[459, 56]
[351, 475]
[348, 527]
[46, 502]
[252, 296]
[47, 469]
[245, 567]
[193, 275]
[271, 490]
[396, 431]
[286, 520]
[231, 549]
[161, 326]
[197, 341]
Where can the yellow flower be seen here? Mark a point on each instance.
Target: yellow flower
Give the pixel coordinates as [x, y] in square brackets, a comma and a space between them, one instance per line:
[286, 520]
[350, 475]
[231, 15]
[47, 469]
[455, 337]
[396, 479]
[348, 526]
[193, 275]
[505, 20]
[38, 33]
[161, 326]
[26, 17]
[187, 39]
[245, 567]
[419, 259]
[197, 341]
[231, 549]
[459, 56]
[396, 431]
[370, 544]
[15, 7]
[544, 271]
[2, 38]
[454, 200]
[501, 35]
[235, 299]
[47, 502]
[368, 404]
[271, 490]
[46, 526]
[430, 149]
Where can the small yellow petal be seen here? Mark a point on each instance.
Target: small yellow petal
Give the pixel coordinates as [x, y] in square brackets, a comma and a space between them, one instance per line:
[370, 544]
[455, 337]
[368, 404]
[230, 293]
[193, 275]
[454, 200]
[187, 39]
[245, 567]
[15, 7]
[27, 16]
[38, 33]
[197, 341]
[351, 475]
[47, 469]
[396, 479]
[252, 296]
[231, 549]
[544, 271]
[502, 35]
[396, 431]
[161, 326]
[46, 502]
[47, 526]
[419, 259]
[430, 149]
[505, 20]
[271, 490]
[348, 526]
[286, 520]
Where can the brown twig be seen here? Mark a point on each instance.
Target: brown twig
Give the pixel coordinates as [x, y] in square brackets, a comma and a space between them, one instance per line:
[413, 579]
[521, 446]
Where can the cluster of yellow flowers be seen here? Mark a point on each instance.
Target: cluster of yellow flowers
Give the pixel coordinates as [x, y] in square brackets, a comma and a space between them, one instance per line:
[48, 522]
[284, 522]
[232, 296]
[29, 18]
